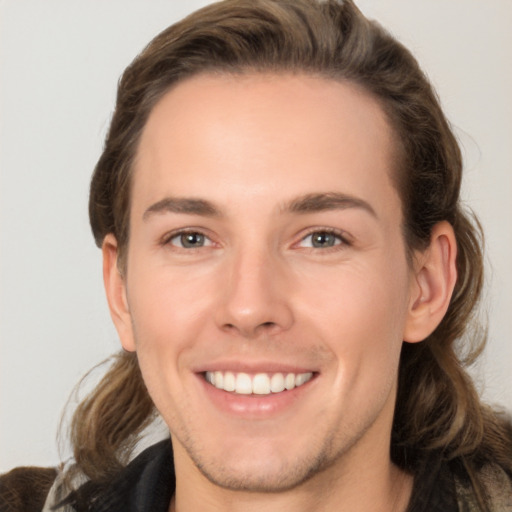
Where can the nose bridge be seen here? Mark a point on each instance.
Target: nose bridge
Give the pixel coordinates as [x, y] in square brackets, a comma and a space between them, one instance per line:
[254, 295]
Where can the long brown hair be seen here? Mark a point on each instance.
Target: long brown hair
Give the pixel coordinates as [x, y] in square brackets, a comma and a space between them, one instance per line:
[437, 406]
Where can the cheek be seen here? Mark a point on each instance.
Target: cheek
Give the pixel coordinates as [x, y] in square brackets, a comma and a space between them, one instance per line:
[167, 308]
[360, 314]
[357, 298]
[364, 334]
[166, 317]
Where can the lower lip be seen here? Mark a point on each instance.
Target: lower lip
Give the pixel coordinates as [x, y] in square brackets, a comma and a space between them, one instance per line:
[254, 406]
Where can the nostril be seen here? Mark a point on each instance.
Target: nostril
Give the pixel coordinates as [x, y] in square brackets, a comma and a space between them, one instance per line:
[267, 327]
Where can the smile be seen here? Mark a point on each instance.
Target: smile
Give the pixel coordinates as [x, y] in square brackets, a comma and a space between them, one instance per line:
[257, 384]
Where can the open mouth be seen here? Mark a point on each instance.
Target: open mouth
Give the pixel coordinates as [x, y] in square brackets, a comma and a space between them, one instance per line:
[257, 384]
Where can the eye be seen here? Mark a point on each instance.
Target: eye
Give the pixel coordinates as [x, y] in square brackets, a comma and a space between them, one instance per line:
[322, 239]
[189, 240]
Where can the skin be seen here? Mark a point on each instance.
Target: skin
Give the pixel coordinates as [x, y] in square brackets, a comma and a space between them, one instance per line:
[254, 291]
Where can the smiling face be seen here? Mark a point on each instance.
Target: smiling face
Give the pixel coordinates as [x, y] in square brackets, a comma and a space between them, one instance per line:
[267, 291]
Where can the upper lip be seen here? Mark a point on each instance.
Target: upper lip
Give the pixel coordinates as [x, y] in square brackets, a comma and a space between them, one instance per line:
[254, 367]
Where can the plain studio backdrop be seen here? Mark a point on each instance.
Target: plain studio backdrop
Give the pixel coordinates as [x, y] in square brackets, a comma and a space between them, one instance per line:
[60, 61]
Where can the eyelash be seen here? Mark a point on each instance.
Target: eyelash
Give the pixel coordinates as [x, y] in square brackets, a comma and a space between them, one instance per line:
[341, 239]
[167, 239]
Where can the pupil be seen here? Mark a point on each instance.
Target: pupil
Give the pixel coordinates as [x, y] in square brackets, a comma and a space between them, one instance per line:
[192, 239]
[323, 240]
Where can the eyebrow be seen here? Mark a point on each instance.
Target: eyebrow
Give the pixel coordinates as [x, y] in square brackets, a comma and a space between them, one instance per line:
[318, 202]
[309, 203]
[185, 205]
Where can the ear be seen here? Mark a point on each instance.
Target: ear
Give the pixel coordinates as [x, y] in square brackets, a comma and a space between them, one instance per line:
[435, 274]
[115, 288]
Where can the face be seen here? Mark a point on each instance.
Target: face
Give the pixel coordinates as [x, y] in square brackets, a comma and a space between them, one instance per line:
[267, 289]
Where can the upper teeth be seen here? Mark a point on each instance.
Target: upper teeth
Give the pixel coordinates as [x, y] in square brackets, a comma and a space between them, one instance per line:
[258, 384]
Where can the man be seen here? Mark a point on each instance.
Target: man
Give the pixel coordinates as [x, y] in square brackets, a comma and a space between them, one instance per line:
[288, 268]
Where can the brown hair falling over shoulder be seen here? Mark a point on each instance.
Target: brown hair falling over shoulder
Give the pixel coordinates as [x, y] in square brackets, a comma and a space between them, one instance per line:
[107, 422]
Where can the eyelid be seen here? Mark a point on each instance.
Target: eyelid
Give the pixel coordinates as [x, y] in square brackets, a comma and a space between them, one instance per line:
[166, 239]
[344, 238]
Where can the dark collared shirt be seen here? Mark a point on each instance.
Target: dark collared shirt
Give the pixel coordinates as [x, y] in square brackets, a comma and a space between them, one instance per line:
[148, 483]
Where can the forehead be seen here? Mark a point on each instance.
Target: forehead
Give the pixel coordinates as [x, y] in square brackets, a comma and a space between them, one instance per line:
[222, 135]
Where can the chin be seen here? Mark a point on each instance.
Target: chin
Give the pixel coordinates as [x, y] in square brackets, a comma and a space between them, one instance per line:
[261, 478]
[263, 470]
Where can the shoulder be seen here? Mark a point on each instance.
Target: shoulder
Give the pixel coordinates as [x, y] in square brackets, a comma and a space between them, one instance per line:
[146, 484]
[25, 489]
[442, 485]
[147, 480]
[497, 485]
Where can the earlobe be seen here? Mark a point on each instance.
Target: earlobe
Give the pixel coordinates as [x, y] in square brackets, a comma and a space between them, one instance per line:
[115, 288]
[435, 275]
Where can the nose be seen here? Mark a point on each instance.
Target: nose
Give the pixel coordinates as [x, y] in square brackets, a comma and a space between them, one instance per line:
[255, 295]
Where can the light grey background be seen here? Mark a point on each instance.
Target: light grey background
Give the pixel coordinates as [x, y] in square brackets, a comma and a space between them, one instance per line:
[59, 64]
